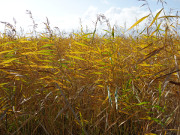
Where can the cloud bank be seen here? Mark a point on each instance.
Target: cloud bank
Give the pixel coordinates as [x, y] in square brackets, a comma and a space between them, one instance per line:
[116, 16]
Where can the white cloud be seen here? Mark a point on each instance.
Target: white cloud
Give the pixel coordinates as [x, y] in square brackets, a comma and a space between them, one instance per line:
[121, 15]
[90, 13]
[105, 2]
[67, 23]
[89, 17]
[116, 16]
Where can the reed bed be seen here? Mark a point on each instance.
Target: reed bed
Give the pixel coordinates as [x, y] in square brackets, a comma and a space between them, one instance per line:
[91, 84]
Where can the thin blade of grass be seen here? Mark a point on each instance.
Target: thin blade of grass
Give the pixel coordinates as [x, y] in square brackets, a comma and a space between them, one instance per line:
[136, 23]
[68, 104]
[156, 17]
[151, 54]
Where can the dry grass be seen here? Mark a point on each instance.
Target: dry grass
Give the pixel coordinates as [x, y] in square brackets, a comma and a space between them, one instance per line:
[87, 84]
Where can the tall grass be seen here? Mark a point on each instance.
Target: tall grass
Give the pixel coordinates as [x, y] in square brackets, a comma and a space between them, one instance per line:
[91, 84]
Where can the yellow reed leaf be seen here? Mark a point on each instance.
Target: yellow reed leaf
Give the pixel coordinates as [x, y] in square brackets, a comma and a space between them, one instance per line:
[156, 17]
[8, 61]
[81, 44]
[140, 20]
[105, 100]
[145, 65]
[6, 51]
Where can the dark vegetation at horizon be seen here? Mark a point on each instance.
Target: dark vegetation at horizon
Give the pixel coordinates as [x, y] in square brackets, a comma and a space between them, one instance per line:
[92, 84]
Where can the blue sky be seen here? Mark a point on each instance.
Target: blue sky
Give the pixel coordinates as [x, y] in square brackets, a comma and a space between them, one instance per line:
[66, 14]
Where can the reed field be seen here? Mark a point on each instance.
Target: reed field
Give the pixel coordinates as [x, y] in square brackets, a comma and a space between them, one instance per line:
[92, 84]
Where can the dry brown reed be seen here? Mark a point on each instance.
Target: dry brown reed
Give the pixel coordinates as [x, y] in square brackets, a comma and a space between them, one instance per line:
[89, 84]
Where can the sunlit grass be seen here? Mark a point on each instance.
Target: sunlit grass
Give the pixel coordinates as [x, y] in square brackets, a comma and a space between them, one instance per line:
[91, 84]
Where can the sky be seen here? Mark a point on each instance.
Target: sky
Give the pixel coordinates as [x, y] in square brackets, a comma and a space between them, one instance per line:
[66, 14]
